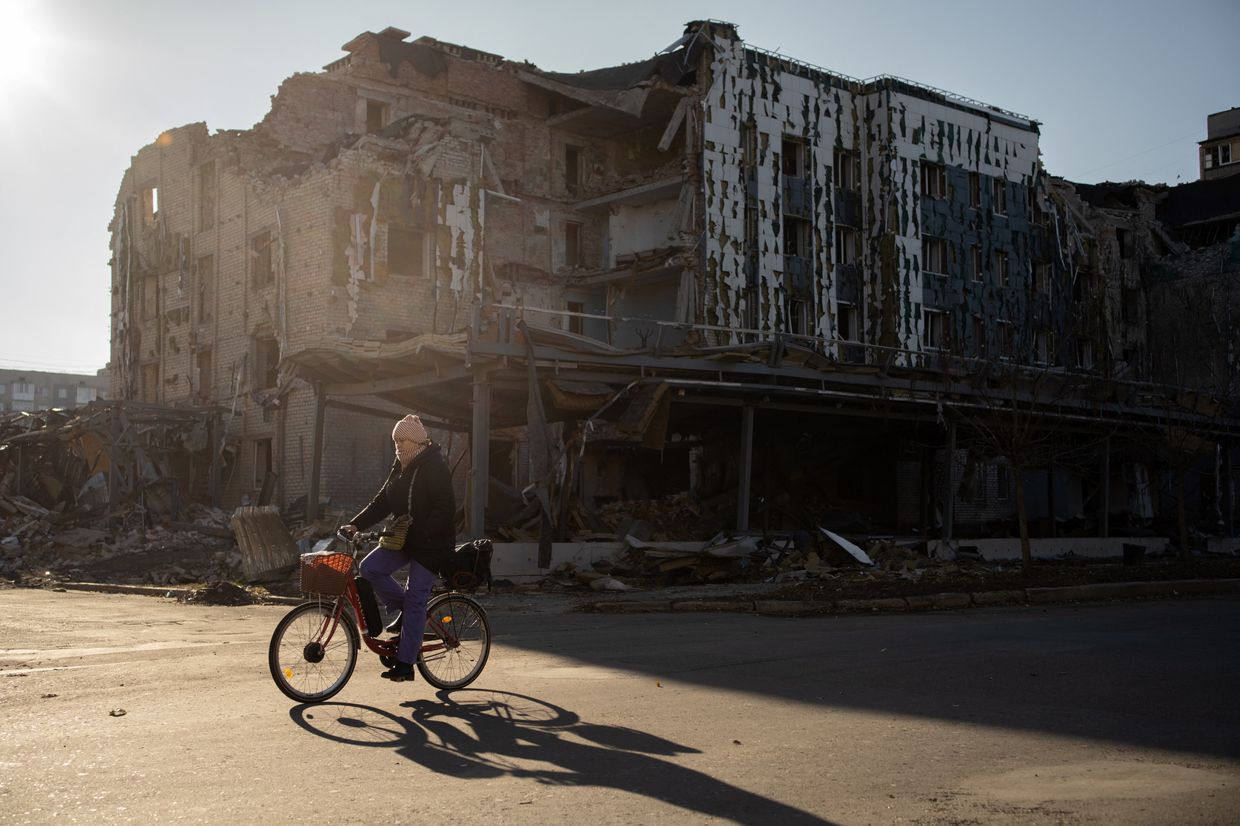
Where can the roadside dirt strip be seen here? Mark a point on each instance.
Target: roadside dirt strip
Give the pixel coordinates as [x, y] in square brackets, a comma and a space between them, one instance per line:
[652, 602]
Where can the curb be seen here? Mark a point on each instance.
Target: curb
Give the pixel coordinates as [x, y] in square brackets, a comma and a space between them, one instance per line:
[925, 602]
[169, 592]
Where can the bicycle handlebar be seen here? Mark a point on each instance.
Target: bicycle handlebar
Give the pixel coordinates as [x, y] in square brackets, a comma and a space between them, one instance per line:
[361, 537]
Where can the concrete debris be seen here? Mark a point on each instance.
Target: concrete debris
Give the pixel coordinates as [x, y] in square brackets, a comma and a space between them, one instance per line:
[220, 593]
[115, 492]
[856, 552]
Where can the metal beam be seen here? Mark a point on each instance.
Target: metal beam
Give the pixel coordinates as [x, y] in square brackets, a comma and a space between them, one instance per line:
[383, 413]
[372, 388]
[949, 506]
[1104, 518]
[316, 455]
[480, 454]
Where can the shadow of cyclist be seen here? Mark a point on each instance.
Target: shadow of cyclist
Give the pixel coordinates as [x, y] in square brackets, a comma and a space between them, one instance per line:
[479, 734]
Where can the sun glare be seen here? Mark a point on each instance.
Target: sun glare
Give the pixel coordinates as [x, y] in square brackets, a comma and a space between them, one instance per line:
[27, 41]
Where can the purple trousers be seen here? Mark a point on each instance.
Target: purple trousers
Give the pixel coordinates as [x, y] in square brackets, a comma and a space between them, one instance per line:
[377, 568]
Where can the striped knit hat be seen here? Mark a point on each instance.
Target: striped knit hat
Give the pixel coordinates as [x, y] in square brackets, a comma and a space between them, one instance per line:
[410, 427]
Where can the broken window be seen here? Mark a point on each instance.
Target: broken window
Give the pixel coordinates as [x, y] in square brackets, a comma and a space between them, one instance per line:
[796, 237]
[845, 245]
[978, 268]
[203, 379]
[1044, 347]
[935, 254]
[847, 170]
[261, 272]
[150, 383]
[798, 317]
[205, 270]
[794, 157]
[1131, 305]
[406, 253]
[933, 180]
[749, 308]
[262, 461]
[846, 326]
[1003, 483]
[934, 329]
[1126, 246]
[1217, 155]
[572, 169]
[150, 204]
[1042, 278]
[266, 360]
[749, 143]
[206, 195]
[1084, 354]
[1007, 339]
[998, 195]
[572, 244]
[575, 321]
[975, 190]
[150, 297]
[1001, 268]
[376, 116]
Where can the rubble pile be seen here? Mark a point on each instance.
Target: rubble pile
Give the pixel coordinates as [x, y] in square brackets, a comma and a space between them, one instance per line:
[677, 516]
[109, 492]
[726, 558]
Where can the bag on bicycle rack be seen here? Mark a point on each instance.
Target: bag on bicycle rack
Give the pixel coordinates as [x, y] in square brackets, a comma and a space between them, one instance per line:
[469, 566]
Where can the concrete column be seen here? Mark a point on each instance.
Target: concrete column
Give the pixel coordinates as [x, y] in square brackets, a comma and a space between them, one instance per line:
[746, 469]
[479, 455]
[1104, 518]
[1051, 508]
[949, 503]
[316, 454]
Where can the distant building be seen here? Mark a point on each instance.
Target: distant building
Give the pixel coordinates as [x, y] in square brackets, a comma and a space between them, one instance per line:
[1220, 151]
[37, 390]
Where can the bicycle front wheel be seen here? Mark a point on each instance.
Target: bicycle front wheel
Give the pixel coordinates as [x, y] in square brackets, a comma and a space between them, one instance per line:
[457, 643]
[311, 656]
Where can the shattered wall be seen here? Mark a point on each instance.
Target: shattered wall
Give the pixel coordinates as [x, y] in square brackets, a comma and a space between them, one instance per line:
[760, 107]
[749, 108]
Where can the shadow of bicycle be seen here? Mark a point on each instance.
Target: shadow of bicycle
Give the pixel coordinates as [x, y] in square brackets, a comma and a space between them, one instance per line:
[481, 734]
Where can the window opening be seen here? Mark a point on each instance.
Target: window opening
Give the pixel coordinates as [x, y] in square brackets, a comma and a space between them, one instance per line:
[405, 251]
[572, 244]
[376, 116]
[572, 169]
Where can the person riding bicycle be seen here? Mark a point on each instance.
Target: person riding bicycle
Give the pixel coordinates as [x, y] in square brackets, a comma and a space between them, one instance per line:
[418, 495]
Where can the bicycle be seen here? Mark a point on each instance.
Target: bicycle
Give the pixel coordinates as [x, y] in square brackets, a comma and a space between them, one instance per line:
[313, 649]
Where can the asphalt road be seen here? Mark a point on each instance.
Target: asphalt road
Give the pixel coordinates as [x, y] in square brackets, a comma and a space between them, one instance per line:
[137, 709]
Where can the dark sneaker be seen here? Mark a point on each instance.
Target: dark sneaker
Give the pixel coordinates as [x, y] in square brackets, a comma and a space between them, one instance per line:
[399, 673]
[393, 627]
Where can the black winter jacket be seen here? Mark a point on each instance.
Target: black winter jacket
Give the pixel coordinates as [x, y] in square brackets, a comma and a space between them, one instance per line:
[432, 535]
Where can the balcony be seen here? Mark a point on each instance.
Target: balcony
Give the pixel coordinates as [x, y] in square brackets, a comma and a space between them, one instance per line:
[798, 196]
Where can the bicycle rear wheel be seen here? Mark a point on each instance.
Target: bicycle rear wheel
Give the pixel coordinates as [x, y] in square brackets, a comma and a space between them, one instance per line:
[307, 665]
[461, 644]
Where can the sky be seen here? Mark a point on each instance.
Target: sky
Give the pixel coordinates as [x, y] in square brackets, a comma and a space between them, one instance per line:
[1122, 89]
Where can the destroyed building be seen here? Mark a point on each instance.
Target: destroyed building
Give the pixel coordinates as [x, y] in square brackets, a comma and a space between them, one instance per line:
[719, 273]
